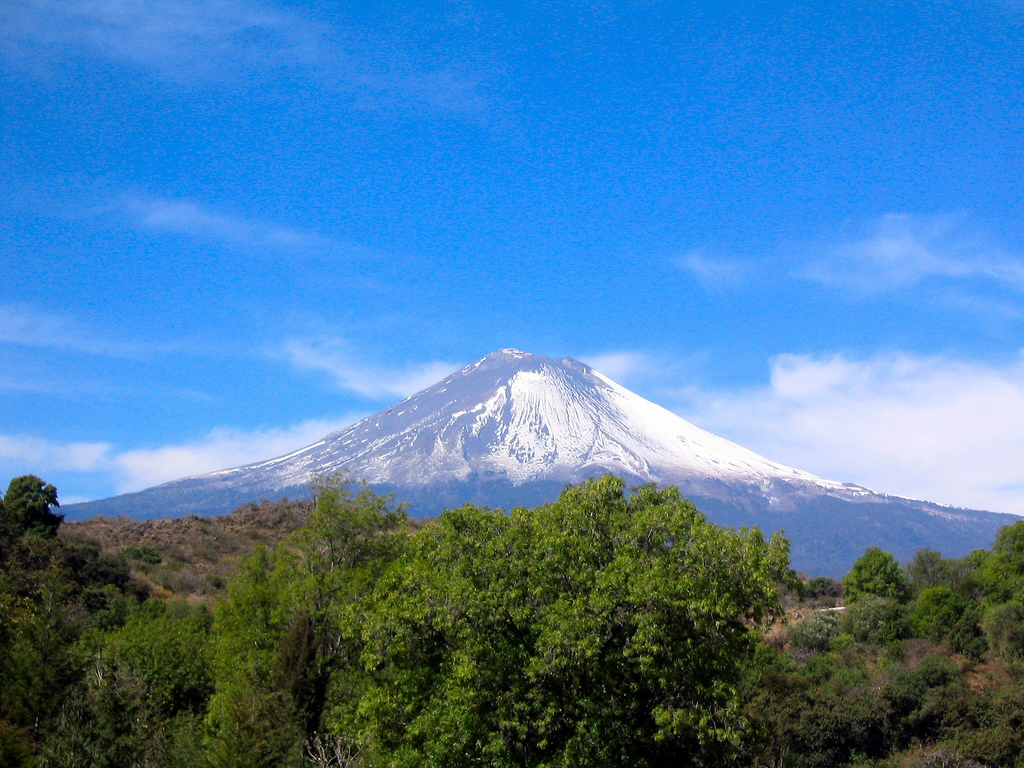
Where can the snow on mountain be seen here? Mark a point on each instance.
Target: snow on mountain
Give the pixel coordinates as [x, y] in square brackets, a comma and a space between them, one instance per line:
[523, 418]
[513, 428]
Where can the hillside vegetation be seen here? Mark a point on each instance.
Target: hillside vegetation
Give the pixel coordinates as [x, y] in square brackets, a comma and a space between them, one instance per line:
[607, 628]
[190, 557]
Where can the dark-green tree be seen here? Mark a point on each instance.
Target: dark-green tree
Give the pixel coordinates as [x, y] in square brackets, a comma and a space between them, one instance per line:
[28, 507]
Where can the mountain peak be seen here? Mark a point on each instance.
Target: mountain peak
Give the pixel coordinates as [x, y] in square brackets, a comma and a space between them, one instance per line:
[520, 360]
[520, 418]
[510, 352]
[513, 428]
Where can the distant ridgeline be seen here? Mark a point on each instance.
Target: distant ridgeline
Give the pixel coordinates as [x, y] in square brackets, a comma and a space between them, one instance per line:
[513, 428]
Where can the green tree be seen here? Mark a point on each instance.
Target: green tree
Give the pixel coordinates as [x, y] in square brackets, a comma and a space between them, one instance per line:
[874, 619]
[250, 718]
[936, 612]
[15, 747]
[1001, 573]
[27, 508]
[927, 569]
[875, 573]
[289, 639]
[1004, 628]
[603, 629]
[143, 694]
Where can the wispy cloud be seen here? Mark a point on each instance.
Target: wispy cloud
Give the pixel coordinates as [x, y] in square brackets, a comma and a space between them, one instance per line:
[34, 454]
[620, 365]
[211, 41]
[934, 428]
[221, 448]
[191, 220]
[133, 470]
[897, 251]
[333, 357]
[163, 34]
[651, 371]
[24, 325]
[713, 270]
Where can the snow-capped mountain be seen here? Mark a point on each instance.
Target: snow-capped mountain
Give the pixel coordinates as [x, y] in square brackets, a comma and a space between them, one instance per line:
[513, 428]
[524, 418]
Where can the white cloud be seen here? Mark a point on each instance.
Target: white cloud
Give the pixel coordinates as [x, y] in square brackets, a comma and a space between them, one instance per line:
[133, 470]
[186, 218]
[330, 356]
[221, 448]
[36, 455]
[899, 250]
[934, 428]
[620, 365]
[236, 41]
[27, 326]
[713, 270]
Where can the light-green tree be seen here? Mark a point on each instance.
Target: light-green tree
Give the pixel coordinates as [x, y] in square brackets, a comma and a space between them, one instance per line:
[289, 639]
[876, 573]
[1001, 572]
[603, 629]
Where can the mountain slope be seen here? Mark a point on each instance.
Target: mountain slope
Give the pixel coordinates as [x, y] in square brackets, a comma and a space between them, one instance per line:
[513, 428]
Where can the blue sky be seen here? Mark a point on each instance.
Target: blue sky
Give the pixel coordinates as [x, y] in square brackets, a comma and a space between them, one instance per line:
[229, 227]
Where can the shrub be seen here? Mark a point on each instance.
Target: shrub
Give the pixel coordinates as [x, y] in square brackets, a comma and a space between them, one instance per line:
[144, 554]
[814, 633]
[940, 758]
[823, 586]
[875, 619]
[1004, 629]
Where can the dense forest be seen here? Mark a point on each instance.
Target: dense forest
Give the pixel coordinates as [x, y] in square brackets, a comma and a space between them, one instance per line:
[609, 628]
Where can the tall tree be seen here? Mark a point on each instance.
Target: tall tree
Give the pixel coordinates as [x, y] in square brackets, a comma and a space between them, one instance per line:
[27, 508]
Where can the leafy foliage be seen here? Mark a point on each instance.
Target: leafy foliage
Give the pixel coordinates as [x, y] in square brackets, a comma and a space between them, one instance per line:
[602, 629]
[814, 633]
[26, 508]
[875, 573]
[608, 628]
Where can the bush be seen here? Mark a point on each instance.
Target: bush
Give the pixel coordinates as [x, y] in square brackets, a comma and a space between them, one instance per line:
[940, 758]
[814, 633]
[875, 619]
[910, 698]
[823, 586]
[941, 614]
[144, 554]
[15, 747]
[837, 728]
[1004, 629]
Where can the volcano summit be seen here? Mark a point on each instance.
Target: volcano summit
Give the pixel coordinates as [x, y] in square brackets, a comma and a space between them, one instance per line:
[514, 428]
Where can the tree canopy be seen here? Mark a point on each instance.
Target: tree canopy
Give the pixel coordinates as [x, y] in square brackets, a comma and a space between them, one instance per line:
[611, 627]
[603, 629]
[27, 508]
[876, 573]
